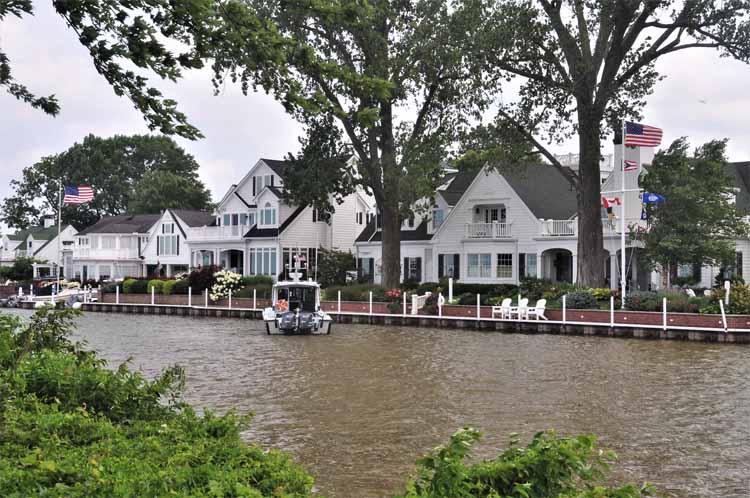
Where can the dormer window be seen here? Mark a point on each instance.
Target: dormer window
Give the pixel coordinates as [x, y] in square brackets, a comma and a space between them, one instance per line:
[268, 215]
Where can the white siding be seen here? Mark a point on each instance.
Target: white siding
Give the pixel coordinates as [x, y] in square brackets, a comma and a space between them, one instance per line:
[302, 232]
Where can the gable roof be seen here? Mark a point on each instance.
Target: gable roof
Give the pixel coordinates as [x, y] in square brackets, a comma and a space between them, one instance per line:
[371, 234]
[278, 167]
[38, 233]
[125, 223]
[256, 232]
[194, 217]
[458, 185]
[545, 191]
[740, 173]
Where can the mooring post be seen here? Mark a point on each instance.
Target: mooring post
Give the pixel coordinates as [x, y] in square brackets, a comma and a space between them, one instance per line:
[404, 310]
[206, 297]
[230, 299]
[450, 289]
[370, 303]
[339, 302]
[664, 313]
[611, 311]
[117, 294]
[723, 316]
[479, 301]
[190, 296]
[440, 304]
[255, 307]
[153, 294]
[564, 307]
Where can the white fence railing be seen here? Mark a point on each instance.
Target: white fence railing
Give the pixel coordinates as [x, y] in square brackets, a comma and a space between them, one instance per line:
[488, 230]
[418, 302]
[569, 228]
[125, 253]
[217, 233]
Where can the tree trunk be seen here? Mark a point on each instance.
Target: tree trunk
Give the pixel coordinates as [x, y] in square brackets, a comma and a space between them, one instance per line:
[591, 256]
[391, 247]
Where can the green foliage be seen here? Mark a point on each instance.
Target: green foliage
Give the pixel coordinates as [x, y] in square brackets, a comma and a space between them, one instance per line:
[111, 166]
[539, 288]
[698, 220]
[127, 285]
[739, 301]
[156, 285]
[136, 286]
[202, 278]
[22, 269]
[71, 427]
[168, 286]
[601, 294]
[550, 466]
[257, 280]
[643, 301]
[333, 265]
[580, 300]
[158, 190]
[181, 286]
[119, 35]
[356, 292]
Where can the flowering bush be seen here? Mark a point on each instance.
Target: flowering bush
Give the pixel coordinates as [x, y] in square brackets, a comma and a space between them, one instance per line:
[393, 294]
[225, 281]
[393, 298]
[72, 285]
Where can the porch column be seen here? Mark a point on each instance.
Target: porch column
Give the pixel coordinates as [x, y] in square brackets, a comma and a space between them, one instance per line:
[575, 268]
[169, 270]
[539, 269]
[245, 265]
[216, 261]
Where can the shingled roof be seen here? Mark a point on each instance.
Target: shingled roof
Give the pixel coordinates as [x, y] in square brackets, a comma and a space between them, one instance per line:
[740, 173]
[39, 233]
[546, 192]
[125, 223]
[455, 190]
[278, 167]
[371, 234]
[194, 218]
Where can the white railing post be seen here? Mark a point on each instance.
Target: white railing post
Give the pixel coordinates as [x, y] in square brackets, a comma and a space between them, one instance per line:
[31, 291]
[727, 288]
[450, 289]
[339, 301]
[414, 304]
[479, 303]
[190, 296]
[255, 306]
[440, 305]
[611, 311]
[153, 294]
[370, 302]
[564, 307]
[723, 316]
[206, 297]
[404, 311]
[117, 294]
[664, 313]
[230, 299]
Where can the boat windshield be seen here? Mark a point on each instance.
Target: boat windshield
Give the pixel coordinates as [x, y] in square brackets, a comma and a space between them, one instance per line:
[302, 298]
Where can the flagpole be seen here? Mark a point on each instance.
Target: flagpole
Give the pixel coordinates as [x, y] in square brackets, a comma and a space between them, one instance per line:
[622, 219]
[59, 231]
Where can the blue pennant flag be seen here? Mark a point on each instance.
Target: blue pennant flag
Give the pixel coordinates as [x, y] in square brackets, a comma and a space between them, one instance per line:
[653, 198]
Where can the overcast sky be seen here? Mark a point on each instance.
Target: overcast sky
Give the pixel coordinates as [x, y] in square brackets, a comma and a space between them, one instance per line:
[703, 97]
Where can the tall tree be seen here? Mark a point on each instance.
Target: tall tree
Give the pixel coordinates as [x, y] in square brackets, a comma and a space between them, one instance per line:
[392, 75]
[698, 222]
[585, 65]
[159, 189]
[120, 34]
[112, 166]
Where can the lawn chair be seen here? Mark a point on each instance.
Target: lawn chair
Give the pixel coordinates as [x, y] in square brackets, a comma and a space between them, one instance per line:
[537, 311]
[503, 309]
[520, 310]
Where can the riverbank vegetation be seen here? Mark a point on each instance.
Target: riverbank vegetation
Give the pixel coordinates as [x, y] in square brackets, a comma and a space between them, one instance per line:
[71, 427]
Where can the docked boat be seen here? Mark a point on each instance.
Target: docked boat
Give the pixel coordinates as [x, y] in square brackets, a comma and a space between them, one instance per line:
[295, 310]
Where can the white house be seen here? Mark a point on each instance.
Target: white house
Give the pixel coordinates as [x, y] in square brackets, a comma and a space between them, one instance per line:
[40, 243]
[255, 232]
[112, 247]
[488, 227]
[166, 251]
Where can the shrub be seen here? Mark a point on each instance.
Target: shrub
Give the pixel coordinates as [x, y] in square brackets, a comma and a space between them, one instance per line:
[202, 278]
[602, 293]
[109, 288]
[79, 429]
[356, 292]
[739, 301]
[134, 286]
[643, 301]
[550, 466]
[181, 286]
[168, 287]
[580, 300]
[257, 280]
[156, 285]
[262, 291]
[333, 265]
[225, 281]
[426, 287]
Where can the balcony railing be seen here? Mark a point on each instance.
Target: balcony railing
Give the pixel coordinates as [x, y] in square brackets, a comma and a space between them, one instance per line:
[488, 230]
[569, 228]
[218, 233]
[87, 252]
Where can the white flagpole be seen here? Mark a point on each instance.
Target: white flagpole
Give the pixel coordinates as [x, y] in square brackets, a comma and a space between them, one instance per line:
[59, 231]
[622, 219]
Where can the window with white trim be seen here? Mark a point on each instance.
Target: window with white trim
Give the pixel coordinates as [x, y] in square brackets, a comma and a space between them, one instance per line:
[505, 265]
[479, 265]
[262, 261]
[108, 242]
[168, 245]
[437, 218]
[268, 215]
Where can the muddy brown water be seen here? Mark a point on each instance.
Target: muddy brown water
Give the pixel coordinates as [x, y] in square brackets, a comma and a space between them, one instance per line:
[358, 407]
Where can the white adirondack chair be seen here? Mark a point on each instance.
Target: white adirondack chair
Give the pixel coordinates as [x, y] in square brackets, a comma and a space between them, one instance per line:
[503, 310]
[537, 311]
[520, 310]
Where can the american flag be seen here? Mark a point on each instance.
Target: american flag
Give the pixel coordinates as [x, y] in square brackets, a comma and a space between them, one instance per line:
[77, 195]
[630, 165]
[639, 135]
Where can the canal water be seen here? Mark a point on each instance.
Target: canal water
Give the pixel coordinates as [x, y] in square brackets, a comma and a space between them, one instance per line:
[356, 408]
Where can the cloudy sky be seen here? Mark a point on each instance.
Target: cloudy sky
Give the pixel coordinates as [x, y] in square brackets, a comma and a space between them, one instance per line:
[704, 97]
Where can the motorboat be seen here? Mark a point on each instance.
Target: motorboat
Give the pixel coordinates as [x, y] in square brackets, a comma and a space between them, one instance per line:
[295, 310]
